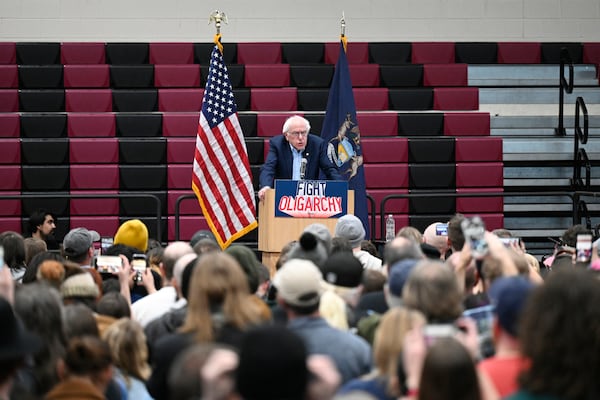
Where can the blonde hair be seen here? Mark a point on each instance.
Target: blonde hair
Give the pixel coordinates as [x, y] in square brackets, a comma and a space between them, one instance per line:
[389, 340]
[128, 348]
[218, 286]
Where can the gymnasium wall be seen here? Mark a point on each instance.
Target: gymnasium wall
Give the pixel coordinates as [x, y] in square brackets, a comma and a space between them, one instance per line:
[301, 20]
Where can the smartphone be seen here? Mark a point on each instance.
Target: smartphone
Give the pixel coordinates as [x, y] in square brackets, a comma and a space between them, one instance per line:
[1, 258]
[484, 319]
[583, 248]
[108, 264]
[433, 332]
[105, 243]
[474, 232]
[441, 229]
[139, 263]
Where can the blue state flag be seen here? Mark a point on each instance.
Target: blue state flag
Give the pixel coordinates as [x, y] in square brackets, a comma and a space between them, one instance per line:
[341, 132]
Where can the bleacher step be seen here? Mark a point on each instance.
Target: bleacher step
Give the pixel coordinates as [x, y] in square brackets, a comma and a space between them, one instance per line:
[535, 95]
[529, 75]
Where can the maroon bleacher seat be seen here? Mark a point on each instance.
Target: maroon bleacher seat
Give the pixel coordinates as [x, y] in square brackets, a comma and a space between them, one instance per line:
[180, 99]
[268, 125]
[11, 224]
[273, 99]
[93, 150]
[380, 176]
[188, 225]
[9, 100]
[377, 124]
[82, 53]
[396, 206]
[259, 53]
[479, 174]
[357, 52]
[88, 100]
[519, 53]
[8, 53]
[384, 150]
[467, 124]
[479, 204]
[10, 177]
[94, 206]
[171, 53]
[445, 75]
[186, 206]
[10, 207]
[364, 75]
[94, 176]
[465, 98]
[10, 151]
[432, 53]
[591, 54]
[180, 124]
[105, 225]
[181, 75]
[486, 148]
[180, 150]
[371, 99]
[86, 76]
[91, 124]
[179, 176]
[9, 76]
[267, 75]
[10, 125]
[266, 147]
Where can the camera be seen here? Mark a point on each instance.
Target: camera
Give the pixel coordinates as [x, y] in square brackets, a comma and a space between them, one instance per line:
[474, 232]
[139, 265]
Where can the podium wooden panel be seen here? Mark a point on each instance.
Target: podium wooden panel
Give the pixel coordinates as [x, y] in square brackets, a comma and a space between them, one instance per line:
[275, 232]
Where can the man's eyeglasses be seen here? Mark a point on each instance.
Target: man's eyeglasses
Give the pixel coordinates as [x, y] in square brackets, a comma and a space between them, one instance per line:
[299, 133]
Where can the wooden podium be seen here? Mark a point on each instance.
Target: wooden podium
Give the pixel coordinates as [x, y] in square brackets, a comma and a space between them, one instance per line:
[275, 232]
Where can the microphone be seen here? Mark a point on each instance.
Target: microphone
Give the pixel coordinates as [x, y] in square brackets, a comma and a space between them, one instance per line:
[303, 163]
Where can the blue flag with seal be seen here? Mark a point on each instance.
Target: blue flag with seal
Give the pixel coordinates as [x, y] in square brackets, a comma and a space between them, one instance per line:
[341, 132]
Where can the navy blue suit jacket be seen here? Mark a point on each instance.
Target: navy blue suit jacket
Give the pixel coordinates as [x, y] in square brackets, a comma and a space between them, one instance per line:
[278, 164]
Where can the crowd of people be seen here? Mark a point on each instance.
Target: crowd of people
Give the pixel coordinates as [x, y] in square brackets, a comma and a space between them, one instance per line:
[447, 313]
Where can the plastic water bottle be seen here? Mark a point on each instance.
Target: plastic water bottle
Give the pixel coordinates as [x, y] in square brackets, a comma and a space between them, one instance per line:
[390, 228]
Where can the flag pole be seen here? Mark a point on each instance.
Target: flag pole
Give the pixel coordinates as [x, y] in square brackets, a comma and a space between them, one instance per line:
[221, 175]
[343, 31]
[218, 17]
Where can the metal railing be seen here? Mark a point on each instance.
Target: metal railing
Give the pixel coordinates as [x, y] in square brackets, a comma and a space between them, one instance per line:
[580, 157]
[372, 216]
[95, 196]
[385, 200]
[564, 87]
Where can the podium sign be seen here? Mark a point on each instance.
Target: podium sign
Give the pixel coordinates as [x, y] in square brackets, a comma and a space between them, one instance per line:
[275, 231]
[311, 199]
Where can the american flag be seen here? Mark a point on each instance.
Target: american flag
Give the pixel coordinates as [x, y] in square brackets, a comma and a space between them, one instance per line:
[221, 175]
